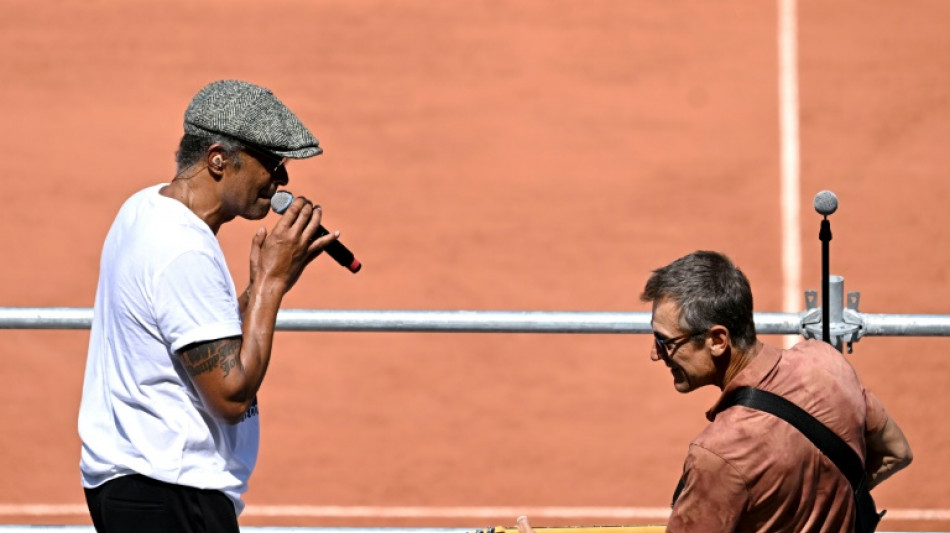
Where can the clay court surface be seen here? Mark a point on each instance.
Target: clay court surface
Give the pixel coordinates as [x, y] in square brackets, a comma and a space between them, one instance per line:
[520, 155]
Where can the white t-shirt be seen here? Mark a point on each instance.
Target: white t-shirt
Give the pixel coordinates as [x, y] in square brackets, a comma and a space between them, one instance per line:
[163, 284]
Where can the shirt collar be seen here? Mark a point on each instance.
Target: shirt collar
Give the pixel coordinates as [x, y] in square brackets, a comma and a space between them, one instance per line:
[752, 375]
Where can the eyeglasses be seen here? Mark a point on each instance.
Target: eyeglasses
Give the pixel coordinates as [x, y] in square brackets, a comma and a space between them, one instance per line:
[667, 347]
[268, 160]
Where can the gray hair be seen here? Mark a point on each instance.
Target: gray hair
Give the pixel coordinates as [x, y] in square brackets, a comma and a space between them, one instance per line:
[193, 147]
[709, 290]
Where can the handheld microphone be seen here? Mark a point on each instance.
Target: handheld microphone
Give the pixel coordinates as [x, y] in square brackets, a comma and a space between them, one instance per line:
[341, 254]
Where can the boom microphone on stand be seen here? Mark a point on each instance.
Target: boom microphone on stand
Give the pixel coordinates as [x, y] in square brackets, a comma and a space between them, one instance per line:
[826, 203]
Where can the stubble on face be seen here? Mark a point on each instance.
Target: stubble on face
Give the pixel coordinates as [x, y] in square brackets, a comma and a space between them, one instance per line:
[259, 185]
[685, 363]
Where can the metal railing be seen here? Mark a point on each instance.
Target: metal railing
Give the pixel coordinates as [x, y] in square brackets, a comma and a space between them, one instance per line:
[847, 323]
[893, 325]
[413, 321]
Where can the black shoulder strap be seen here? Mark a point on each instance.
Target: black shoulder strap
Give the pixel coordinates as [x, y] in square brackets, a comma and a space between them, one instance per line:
[847, 461]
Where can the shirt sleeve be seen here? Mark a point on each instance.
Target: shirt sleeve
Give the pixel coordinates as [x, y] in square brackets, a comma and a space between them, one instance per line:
[876, 416]
[713, 496]
[194, 301]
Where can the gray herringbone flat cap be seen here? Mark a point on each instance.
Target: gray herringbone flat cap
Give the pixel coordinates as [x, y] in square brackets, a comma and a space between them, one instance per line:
[251, 114]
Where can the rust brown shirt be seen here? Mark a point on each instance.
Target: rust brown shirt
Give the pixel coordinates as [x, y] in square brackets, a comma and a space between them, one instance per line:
[751, 471]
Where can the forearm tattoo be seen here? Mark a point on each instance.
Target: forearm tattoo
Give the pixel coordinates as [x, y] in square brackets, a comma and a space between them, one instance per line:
[205, 357]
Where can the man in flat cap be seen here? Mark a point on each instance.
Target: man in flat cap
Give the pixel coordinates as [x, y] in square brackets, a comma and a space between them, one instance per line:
[169, 419]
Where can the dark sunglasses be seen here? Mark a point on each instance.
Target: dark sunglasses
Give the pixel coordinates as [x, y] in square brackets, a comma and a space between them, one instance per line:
[667, 347]
[268, 160]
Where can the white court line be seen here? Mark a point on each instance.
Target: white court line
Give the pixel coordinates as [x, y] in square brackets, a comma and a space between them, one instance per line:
[48, 511]
[790, 171]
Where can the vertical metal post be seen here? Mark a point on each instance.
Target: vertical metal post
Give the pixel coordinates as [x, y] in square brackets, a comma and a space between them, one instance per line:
[824, 234]
[836, 309]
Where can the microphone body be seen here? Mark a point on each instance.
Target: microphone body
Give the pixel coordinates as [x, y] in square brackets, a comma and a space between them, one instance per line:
[826, 203]
[340, 253]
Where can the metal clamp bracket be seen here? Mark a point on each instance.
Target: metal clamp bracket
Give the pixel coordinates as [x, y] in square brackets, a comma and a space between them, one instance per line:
[846, 323]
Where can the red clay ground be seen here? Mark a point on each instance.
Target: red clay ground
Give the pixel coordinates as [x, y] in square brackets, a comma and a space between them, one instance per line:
[521, 156]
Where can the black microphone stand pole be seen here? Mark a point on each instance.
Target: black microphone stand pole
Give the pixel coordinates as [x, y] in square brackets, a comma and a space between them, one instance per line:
[824, 234]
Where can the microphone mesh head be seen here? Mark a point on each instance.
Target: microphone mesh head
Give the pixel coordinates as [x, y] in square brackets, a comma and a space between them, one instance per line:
[281, 201]
[826, 203]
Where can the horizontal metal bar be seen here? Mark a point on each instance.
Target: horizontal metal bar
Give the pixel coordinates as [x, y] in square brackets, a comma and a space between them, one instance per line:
[412, 321]
[368, 320]
[487, 321]
[906, 325]
[463, 321]
[45, 317]
[777, 323]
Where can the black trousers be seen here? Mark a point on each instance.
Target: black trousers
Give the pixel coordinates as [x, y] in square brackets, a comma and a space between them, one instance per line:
[139, 504]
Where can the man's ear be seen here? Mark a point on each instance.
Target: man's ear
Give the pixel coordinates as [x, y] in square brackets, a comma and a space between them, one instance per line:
[720, 340]
[216, 160]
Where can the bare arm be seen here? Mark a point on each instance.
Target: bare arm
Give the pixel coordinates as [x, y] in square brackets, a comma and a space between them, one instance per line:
[887, 453]
[243, 300]
[228, 372]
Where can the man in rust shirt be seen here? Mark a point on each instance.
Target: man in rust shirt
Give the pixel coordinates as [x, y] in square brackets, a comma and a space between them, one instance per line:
[750, 470]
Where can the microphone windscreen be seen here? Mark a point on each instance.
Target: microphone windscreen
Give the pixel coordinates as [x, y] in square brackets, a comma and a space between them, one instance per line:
[281, 201]
[826, 203]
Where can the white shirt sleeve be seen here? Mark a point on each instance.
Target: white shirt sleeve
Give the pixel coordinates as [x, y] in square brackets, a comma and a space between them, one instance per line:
[195, 300]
